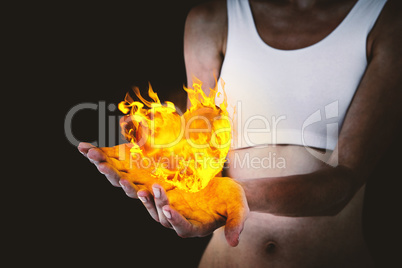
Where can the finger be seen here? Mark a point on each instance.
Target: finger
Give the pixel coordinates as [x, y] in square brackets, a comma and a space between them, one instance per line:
[181, 225]
[120, 156]
[96, 155]
[84, 147]
[148, 200]
[161, 200]
[129, 188]
[121, 152]
[235, 224]
[110, 172]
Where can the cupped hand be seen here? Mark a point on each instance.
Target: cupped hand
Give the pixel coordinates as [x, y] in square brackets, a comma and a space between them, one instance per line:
[122, 170]
[221, 203]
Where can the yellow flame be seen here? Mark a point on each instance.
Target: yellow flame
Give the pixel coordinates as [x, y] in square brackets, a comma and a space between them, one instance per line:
[186, 150]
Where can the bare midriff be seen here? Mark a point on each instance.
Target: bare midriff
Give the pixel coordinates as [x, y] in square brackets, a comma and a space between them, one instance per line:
[277, 241]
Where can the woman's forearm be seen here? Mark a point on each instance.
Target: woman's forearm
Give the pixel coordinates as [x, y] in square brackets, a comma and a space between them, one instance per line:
[321, 193]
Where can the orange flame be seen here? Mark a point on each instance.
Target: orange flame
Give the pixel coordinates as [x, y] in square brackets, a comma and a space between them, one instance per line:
[186, 150]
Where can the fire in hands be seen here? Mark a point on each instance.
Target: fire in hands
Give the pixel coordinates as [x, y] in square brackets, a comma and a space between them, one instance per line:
[178, 158]
[186, 150]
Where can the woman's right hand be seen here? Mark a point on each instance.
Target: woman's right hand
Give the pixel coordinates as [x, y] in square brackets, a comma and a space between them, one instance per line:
[119, 167]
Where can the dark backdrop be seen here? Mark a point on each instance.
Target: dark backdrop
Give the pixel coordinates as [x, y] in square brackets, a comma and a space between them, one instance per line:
[99, 52]
[95, 53]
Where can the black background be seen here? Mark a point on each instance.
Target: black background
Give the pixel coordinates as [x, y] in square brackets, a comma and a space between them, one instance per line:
[92, 53]
[70, 215]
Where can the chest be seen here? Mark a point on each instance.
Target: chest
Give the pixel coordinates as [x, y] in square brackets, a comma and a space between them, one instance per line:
[287, 27]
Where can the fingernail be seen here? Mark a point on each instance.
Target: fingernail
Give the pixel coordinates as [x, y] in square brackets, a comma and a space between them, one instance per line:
[167, 214]
[157, 192]
[143, 199]
[122, 185]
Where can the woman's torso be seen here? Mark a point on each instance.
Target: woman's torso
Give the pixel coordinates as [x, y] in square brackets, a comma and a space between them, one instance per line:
[275, 241]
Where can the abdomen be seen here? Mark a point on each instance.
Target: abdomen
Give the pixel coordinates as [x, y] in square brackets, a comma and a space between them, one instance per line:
[274, 241]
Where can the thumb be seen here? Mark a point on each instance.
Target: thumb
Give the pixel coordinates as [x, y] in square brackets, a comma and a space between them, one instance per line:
[235, 223]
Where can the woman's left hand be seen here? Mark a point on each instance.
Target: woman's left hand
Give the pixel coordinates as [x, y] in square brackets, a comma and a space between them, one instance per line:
[222, 202]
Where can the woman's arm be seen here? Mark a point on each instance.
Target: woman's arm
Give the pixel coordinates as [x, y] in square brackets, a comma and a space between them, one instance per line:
[205, 43]
[369, 128]
[321, 193]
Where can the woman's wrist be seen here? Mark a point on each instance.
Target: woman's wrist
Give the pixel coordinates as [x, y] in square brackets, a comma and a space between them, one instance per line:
[255, 197]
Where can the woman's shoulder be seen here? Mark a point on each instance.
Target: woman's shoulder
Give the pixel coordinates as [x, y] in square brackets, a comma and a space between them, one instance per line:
[208, 13]
[206, 26]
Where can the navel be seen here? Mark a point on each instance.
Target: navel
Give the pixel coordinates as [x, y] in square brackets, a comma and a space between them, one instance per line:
[270, 247]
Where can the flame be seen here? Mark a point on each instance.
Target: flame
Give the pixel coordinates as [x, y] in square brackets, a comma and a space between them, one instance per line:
[185, 150]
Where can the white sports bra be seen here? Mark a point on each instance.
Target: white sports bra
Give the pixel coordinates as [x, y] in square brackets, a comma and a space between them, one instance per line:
[296, 96]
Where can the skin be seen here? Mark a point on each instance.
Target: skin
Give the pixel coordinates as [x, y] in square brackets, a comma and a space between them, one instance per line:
[302, 214]
[221, 203]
